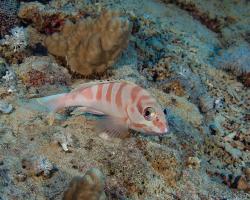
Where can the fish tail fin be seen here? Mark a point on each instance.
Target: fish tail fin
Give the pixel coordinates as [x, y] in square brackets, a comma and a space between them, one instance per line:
[44, 104]
[51, 103]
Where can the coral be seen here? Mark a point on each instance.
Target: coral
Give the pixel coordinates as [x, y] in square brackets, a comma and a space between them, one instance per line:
[44, 20]
[8, 79]
[17, 41]
[213, 24]
[8, 15]
[64, 139]
[235, 59]
[165, 163]
[160, 71]
[175, 87]
[39, 166]
[90, 186]
[37, 71]
[193, 162]
[91, 45]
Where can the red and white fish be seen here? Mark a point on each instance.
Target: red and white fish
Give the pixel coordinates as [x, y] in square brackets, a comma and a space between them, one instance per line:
[126, 105]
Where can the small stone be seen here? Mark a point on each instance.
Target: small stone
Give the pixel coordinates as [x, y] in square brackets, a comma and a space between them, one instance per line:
[21, 177]
[193, 162]
[219, 103]
[242, 184]
[64, 138]
[235, 153]
[5, 107]
[206, 103]
[3, 68]
[247, 173]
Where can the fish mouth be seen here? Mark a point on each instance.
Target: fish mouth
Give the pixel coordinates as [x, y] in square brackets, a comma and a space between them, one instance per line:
[161, 133]
[166, 130]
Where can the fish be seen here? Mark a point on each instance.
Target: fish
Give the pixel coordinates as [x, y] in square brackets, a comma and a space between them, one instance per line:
[124, 105]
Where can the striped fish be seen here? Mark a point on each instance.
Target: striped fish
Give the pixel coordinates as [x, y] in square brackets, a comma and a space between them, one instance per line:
[126, 105]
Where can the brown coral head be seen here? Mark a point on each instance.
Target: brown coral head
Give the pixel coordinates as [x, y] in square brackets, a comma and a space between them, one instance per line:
[90, 187]
[116, 33]
[91, 45]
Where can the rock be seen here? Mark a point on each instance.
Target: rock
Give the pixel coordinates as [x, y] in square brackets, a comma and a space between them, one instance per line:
[193, 162]
[39, 166]
[5, 107]
[235, 153]
[64, 139]
[247, 173]
[3, 68]
[242, 184]
[206, 103]
[42, 72]
[21, 177]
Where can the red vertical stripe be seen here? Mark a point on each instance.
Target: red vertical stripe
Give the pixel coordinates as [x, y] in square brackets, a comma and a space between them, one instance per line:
[109, 92]
[134, 92]
[118, 97]
[99, 92]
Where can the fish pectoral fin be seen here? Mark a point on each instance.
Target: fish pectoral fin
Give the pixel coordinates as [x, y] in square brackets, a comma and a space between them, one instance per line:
[113, 127]
[88, 110]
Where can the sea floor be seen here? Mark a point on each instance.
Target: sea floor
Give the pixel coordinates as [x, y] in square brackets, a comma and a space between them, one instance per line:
[194, 58]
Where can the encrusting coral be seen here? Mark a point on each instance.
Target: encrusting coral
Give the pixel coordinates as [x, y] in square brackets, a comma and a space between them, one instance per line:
[91, 45]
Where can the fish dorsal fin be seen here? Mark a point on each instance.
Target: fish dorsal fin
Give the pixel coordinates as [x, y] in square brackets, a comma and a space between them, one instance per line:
[92, 83]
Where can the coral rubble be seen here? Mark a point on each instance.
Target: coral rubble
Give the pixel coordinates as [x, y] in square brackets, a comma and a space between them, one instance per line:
[17, 41]
[91, 45]
[38, 71]
[45, 20]
[8, 16]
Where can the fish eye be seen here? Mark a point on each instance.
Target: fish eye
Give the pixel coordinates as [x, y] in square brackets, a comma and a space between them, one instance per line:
[165, 111]
[149, 113]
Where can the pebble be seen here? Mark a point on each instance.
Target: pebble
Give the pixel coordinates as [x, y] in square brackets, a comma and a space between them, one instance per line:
[247, 173]
[21, 177]
[235, 153]
[193, 162]
[3, 68]
[243, 185]
[5, 107]
[206, 103]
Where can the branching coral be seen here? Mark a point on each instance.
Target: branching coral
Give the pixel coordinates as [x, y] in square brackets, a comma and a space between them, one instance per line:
[91, 45]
